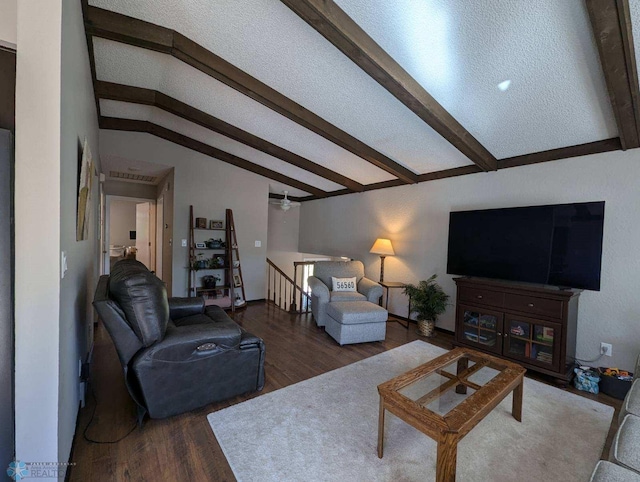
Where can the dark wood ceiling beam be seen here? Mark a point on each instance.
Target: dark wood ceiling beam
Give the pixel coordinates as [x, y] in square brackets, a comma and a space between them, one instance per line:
[347, 36]
[611, 25]
[111, 123]
[125, 93]
[273, 195]
[118, 27]
[92, 59]
[598, 147]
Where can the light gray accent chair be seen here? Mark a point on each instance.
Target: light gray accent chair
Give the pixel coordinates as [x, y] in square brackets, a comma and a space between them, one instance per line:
[320, 284]
[631, 403]
[625, 449]
[608, 472]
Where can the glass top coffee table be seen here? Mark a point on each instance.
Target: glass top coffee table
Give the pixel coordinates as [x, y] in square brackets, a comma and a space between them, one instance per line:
[448, 396]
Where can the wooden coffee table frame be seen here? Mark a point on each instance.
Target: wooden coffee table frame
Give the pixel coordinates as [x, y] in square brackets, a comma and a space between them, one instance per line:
[449, 429]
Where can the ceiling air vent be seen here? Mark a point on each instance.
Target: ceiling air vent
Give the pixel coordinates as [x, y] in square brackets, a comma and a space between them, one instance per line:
[133, 177]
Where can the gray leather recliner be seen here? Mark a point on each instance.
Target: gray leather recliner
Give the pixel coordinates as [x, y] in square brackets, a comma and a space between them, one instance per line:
[177, 354]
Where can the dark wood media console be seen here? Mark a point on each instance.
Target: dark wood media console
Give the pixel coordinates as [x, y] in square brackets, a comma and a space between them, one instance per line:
[532, 325]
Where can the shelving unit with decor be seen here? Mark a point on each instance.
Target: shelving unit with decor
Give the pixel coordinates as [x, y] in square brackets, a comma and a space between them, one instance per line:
[529, 324]
[217, 258]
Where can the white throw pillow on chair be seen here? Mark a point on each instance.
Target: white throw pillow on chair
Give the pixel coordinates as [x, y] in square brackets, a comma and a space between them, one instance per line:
[343, 284]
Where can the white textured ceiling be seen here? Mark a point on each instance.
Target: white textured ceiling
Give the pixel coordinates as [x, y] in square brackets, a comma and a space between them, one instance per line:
[634, 8]
[125, 64]
[460, 51]
[124, 110]
[270, 42]
[542, 53]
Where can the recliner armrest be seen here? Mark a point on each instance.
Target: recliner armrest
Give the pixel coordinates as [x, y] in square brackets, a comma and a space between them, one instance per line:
[191, 342]
[181, 307]
[318, 288]
[371, 289]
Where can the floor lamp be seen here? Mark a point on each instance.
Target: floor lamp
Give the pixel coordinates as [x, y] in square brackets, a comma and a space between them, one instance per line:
[384, 248]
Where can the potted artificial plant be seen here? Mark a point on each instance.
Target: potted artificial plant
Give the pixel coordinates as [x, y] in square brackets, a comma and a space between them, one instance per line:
[209, 281]
[428, 300]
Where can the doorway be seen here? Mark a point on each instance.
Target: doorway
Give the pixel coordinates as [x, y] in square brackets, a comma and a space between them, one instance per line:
[129, 231]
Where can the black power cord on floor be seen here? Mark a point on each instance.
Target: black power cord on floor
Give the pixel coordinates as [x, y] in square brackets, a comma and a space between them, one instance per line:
[93, 414]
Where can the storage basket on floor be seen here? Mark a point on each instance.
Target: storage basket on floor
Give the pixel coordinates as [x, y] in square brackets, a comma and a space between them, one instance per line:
[613, 386]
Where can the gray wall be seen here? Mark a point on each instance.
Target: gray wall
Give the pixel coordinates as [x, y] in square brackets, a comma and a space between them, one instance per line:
[282, 238]
[416, 219]
[78, 121]
[6, 315]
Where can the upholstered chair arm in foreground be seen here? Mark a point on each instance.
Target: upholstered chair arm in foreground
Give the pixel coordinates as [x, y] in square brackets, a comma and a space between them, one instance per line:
[181, 307]
[319, 299]
[371, 289]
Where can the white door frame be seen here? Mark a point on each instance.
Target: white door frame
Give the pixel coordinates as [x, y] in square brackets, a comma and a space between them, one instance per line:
[159, 234]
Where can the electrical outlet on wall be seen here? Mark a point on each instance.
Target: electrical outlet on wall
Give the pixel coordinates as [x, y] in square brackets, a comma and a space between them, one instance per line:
[606, 349]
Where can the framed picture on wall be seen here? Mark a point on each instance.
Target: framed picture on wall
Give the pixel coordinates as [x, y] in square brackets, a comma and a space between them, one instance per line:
[216, 224]
[237, 282]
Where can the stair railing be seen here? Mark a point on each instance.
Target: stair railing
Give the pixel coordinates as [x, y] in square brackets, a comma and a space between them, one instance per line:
[284, 292]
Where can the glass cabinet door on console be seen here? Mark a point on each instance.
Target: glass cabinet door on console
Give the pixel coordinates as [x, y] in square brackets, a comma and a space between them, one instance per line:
[481, 327]
[532, 341]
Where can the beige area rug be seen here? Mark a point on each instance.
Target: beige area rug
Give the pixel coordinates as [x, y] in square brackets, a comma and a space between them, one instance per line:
[325, 428]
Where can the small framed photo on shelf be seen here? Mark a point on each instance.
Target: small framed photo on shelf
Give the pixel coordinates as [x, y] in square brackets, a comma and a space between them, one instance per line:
[201, 223]
[237, 282]
[200, 246]
[216, 224]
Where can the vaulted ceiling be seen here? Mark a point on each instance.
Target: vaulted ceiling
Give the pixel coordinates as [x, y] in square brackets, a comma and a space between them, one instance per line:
[327, 98]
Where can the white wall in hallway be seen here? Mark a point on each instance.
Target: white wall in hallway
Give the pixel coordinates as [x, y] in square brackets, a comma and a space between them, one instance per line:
[55, 112]
[9, 23]
[37, 278]
[122, 219]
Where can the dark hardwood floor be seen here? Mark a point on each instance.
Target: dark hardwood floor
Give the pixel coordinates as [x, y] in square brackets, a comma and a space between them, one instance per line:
[184, 447]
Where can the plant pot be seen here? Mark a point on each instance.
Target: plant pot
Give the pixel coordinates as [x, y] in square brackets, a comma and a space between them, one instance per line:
[209, 282]
[426, 328]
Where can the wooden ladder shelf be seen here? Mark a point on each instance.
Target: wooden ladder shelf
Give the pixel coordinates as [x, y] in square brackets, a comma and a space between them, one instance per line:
[232, 289]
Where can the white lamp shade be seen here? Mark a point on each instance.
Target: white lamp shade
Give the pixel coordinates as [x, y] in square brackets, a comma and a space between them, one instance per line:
[382, 247]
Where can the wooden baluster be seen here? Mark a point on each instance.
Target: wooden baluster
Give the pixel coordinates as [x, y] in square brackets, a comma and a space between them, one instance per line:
[293, 291]
[268, 281]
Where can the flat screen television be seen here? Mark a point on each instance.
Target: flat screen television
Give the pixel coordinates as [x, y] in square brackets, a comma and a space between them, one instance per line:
[557, 245]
